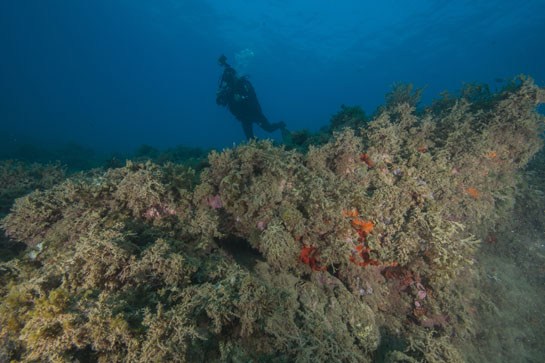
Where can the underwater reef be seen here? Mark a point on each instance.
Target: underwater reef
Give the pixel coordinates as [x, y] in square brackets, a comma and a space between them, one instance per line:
[362, 248]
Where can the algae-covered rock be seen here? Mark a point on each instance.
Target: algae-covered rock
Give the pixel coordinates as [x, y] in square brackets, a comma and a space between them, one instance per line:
[276, 255]
[19, 178]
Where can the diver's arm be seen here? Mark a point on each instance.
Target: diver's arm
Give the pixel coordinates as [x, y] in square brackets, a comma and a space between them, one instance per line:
[225, 92]
[222, 97]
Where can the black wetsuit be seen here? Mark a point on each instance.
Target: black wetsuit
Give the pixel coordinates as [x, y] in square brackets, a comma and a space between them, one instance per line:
[238, 94]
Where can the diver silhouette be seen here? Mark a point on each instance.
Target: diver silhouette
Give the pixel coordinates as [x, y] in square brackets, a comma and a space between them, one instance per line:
[238, 94]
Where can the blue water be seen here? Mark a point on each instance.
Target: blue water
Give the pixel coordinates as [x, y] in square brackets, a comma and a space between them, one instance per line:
[113, 75]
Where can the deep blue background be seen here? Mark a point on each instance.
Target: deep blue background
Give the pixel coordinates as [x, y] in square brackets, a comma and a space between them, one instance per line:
[113, 75]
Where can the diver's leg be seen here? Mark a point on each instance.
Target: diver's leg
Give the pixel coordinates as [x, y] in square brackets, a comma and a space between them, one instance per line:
[247, 127]
[267, 126]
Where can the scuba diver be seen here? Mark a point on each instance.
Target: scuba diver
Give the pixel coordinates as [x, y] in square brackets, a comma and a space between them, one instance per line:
[238, 94]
